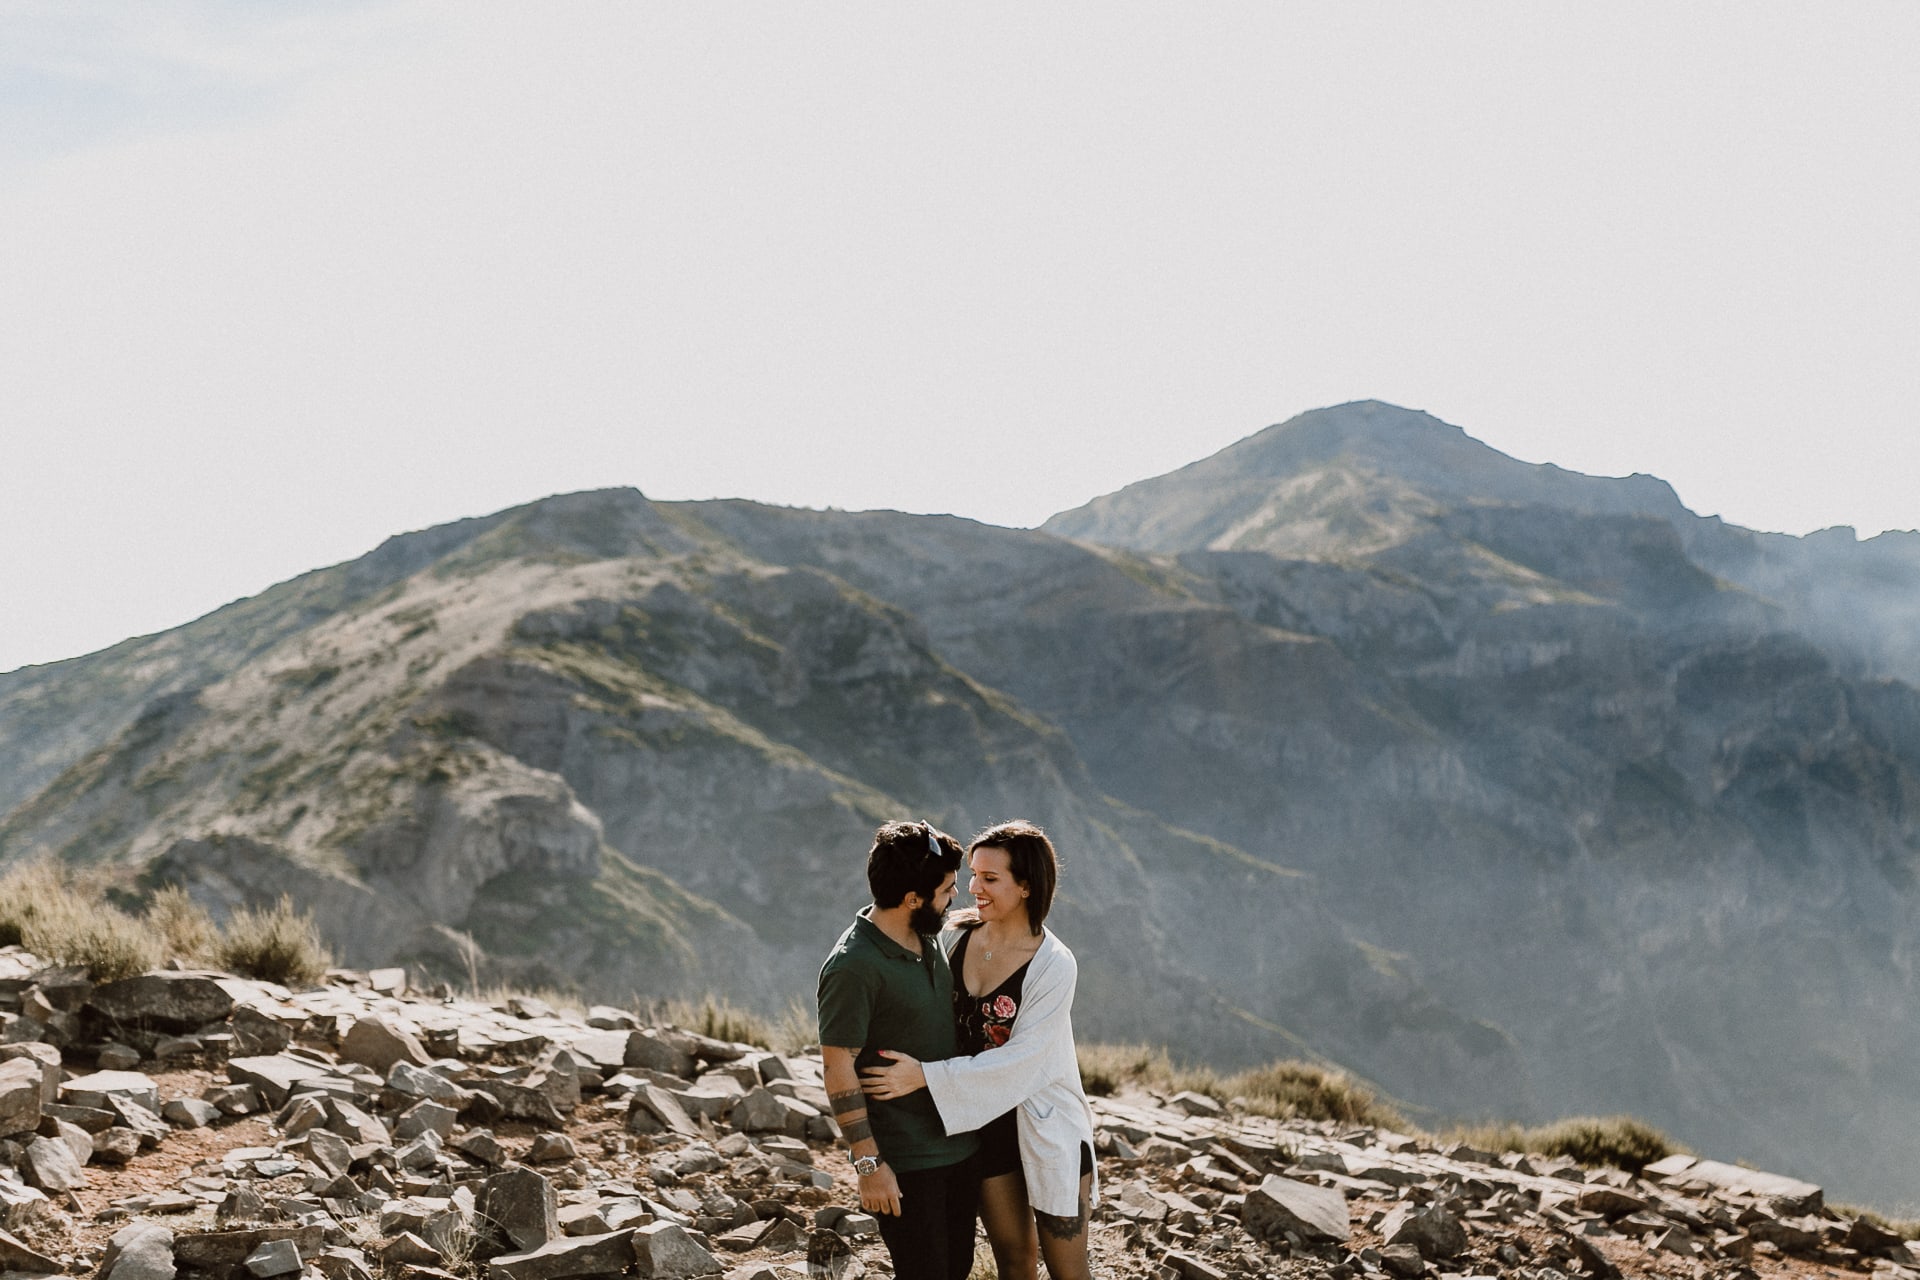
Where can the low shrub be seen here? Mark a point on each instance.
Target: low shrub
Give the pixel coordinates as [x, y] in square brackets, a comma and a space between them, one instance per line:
[181, 926]
[60, 918]
[720, 1019]
[1283, 1089]
[274, 944]
[1620, 1142]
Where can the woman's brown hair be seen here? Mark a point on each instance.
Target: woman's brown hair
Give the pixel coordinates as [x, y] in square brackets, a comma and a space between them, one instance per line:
[1031, 860]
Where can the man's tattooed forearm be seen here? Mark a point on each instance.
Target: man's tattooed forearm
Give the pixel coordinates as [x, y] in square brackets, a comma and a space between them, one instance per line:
[1061, 1228]
[853, 1131]
[846, 1103]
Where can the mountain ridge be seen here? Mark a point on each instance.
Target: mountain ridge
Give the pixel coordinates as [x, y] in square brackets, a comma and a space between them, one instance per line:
[1514, 808]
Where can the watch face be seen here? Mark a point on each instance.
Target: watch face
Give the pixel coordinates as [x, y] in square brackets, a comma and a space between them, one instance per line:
[866, 1165]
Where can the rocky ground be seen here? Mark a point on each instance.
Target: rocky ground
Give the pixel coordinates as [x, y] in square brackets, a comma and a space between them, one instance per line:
[199, 1125]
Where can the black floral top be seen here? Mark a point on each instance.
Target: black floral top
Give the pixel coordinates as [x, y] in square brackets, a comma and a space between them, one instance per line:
[984, 1021]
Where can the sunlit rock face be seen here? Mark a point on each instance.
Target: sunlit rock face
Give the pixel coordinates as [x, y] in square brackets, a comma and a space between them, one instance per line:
[1518, 791]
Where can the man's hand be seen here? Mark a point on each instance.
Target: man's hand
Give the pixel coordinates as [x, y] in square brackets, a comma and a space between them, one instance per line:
[880, 1192]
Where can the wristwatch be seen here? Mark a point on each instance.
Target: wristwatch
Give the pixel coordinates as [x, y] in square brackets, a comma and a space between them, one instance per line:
[866, 1166]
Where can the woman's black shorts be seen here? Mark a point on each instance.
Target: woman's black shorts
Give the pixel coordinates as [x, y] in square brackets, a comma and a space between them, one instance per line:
[1000, 1149]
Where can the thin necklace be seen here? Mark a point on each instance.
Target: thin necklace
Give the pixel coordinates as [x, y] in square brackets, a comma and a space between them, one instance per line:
[988, 952]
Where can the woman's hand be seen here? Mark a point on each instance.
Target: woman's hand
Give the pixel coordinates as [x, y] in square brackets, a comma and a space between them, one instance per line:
[896, 1081]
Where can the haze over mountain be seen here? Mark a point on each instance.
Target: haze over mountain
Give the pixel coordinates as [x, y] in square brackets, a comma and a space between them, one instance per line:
[1518, 791]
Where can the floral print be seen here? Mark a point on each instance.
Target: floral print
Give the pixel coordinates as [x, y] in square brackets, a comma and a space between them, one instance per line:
[985, 1022]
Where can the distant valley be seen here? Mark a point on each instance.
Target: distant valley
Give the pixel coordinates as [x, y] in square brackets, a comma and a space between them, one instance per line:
[1518, 792]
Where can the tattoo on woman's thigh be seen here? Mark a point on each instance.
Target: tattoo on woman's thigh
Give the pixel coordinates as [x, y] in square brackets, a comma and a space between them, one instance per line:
[1057, 1227]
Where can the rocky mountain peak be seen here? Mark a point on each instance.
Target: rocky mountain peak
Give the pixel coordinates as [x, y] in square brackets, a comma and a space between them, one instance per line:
[1349, 479]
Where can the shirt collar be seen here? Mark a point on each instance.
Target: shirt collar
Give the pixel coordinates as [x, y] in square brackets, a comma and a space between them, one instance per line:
[878, 936]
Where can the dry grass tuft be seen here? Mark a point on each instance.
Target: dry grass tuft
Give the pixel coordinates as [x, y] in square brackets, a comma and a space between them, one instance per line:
[1621, 1142]
[67, 920]
[276, 944]
[721, 1019]
[181, 926]
[1285, 1090]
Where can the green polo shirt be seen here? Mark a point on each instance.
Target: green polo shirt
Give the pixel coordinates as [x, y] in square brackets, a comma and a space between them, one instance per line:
[875, 994]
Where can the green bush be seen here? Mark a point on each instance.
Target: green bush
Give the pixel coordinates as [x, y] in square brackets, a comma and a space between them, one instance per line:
[275, 944]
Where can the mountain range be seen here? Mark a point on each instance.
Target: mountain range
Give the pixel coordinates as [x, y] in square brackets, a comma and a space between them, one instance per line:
[1517, 791]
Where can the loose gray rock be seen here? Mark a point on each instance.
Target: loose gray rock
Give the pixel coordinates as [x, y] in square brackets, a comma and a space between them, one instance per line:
[417, 1082]
[20, 1097]
[608, 1254]
[50, 1166]
[141, 1251]
[527, 1102]
[355, 1125]
[117, 1057]
[233, 1099]
[116, 1145]
[652, 1109]
[1403, 1260]
[144, 1121]
[94, 1090]
[481, 1146]
[223, 1250]
[1279, 1205]
[1436, 1233]
[189, 1113]
[648, 1048]
[17, 1255]
[410, 1250]
[584, 1220]
[163, 1001]
[549, 1147]
[256, 1034]
[420, 1154]
[520, 1206]
[664, 1251]
[276, 1077]
[425, 1117]
[375, 1042]
[760, 1111]
[48, 1058]
[274, 1258]
[330, 1151]
[1609, 1202]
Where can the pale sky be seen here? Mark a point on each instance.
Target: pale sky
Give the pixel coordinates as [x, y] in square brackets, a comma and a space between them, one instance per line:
[278, 280]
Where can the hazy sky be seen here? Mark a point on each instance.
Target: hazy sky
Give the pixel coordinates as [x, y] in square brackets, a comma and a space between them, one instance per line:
[277, 280]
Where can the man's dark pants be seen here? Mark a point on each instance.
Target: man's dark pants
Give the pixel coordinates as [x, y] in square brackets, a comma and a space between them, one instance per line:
[932, 1238]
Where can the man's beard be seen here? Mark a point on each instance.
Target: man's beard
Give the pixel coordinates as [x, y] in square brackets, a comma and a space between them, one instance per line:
[926, 918]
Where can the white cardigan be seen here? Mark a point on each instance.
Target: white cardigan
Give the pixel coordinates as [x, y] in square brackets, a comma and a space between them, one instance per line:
[1035, 1070]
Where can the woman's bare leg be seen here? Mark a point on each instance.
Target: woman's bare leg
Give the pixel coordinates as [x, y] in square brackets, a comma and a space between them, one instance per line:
[1063, 1241]
[1008, 1218]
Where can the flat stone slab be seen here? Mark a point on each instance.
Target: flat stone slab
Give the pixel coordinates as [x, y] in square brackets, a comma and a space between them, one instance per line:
[18, 1255]
[1279, 1205]
[1728, 1177]
[276, 1077]
[164, 1000]
[607, 1254]
[94, 1090]
[220, 1250]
